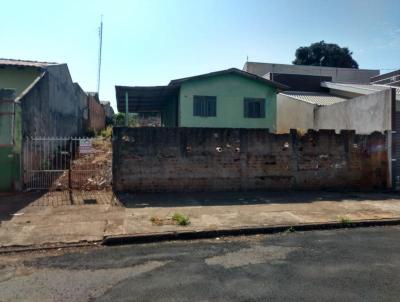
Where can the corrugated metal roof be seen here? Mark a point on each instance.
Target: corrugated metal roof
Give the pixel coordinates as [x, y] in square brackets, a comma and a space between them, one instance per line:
[144, 98]
[360, 88]
[25, 63]
[322, 99]
[367, 87]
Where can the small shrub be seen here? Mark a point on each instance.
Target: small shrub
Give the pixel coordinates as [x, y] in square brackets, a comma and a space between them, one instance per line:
[180, 219]
[107, 132]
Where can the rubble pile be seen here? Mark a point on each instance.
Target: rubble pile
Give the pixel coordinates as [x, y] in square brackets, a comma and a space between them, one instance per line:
[91, 171]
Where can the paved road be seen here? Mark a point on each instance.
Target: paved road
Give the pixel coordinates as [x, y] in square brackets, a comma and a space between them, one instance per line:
[341, 265]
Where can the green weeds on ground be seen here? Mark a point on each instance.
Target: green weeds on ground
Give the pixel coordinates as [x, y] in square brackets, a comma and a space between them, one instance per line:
[180, 219]
[291, 230]
[107, 132]
[345, 221]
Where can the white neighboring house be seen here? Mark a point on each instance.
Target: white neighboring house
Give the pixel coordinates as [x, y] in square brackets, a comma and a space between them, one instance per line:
[364, 108]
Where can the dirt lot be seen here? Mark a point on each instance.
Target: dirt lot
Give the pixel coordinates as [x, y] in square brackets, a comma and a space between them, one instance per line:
[92, 171]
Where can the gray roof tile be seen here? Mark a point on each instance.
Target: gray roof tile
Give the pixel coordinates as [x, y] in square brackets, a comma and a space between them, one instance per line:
[317, 98]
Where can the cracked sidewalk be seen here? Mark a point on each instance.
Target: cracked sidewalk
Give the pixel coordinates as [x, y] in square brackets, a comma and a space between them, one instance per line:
[28, 220]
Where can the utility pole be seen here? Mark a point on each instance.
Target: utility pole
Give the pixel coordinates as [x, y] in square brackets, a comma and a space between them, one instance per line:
[100, 49]
[320, 68]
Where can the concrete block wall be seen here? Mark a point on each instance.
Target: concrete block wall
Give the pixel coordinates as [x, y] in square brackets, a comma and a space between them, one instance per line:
[214, 159]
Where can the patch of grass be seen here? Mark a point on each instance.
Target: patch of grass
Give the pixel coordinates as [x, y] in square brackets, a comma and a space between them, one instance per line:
[180, 219]
[345, 221]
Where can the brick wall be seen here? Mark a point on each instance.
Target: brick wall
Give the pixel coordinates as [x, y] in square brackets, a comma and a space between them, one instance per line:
[96, 114]
[200, 159]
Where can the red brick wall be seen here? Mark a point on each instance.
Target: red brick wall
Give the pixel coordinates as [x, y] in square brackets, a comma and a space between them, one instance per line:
[96, 114]
[201, 159]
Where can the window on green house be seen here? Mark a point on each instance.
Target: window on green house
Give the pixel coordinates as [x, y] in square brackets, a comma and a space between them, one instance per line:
[204, 105]
[254, 107]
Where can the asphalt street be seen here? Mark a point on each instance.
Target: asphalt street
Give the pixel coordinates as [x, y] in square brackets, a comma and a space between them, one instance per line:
[337, 265]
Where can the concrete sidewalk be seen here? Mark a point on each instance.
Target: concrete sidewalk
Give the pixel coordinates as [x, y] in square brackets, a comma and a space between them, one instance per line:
[39, 220]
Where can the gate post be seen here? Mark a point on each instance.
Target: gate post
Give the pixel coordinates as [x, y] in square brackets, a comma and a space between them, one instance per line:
[126, 109]
[71, 197]
[69, 163]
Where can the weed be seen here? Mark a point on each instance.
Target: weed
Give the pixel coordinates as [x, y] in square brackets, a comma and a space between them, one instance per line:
[107, 132]
[345, 220]
[180, 219]
[291, 230]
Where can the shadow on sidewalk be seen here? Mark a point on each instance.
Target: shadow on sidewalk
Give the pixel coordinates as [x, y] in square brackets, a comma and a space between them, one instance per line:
[11, 203]
[142, 200]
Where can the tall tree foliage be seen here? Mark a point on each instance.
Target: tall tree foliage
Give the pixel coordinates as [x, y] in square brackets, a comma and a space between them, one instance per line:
[325, 54]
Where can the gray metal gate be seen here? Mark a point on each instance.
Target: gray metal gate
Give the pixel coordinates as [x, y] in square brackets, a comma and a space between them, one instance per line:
[60, 163]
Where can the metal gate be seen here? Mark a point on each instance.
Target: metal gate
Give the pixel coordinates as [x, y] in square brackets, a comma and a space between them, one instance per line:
[60, 163]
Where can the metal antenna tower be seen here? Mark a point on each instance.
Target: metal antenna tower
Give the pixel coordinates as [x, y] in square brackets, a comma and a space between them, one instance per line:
[100, 49]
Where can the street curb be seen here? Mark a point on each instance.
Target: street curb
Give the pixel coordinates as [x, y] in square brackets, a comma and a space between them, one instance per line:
[206, 234]
[47, 247]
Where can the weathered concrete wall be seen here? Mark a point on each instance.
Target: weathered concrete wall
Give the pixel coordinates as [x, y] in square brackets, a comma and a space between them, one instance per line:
[50, 107]
[293, 114]
[200, 159]
[83, 116]
[364, 114]
[63, 102]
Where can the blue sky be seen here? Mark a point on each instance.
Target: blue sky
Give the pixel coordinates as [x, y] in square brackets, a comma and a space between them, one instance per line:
[150, 42]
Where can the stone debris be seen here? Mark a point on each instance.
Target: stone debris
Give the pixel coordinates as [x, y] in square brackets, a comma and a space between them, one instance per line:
[92, 171]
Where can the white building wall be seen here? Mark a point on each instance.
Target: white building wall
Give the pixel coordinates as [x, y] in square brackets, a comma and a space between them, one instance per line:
[293, 114]
[364, 114]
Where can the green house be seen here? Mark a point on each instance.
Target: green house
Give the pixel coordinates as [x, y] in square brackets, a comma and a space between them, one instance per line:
[229, 98]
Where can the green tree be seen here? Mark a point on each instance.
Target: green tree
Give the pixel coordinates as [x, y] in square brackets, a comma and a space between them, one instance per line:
[119, 120]
[325, 54]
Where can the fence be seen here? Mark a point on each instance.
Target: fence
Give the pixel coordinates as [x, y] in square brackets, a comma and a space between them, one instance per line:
[60, 163]
[217, 159]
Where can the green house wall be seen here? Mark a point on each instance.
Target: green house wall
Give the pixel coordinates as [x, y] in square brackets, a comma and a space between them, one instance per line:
[10, 156]
[18, 78]
[230, 90]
